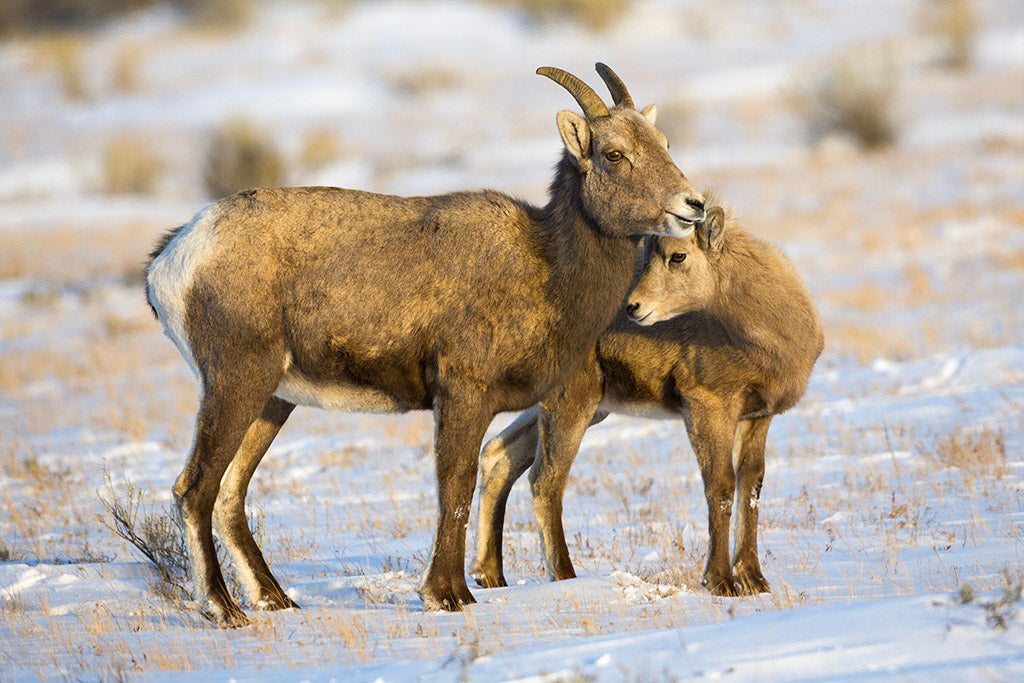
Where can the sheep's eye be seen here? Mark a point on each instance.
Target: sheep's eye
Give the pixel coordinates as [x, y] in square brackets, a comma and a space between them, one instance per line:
[613, 155]
[677, 257]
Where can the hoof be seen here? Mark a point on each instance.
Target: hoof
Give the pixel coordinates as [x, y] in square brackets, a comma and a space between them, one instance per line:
[486, 581]
[749, 577]
[229, 616]
[725, 587]
[448, 601]
[273, 602]
[754, 584]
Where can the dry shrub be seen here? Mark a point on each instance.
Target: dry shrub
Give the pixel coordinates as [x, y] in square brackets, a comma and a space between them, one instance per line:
[29, 16]
[63, 52]
[21, 16]
[852, 96]
[160, 537]
[971, 450]
[129, 166]
[240, 157]
[319, 148]
[593, 14]
[953, 24]
[127, 65]
[217, 13]
[42, 16]
[425, 78]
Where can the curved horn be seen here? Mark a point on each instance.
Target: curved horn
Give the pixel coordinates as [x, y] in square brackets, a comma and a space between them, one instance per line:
[592, 105]
[615, 85]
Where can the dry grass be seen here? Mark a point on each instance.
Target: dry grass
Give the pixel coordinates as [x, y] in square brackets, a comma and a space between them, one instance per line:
[71, 254]
[868, 296]
[63, 53]
[593, 14]
[852, 96]
[320, 147]
[974, 452]
[218, 14]
[423, 79]
[643, 549]
[160, 537]
[241, 156]
[46, 15]
[953, 24]
[129, 166]
[128, 67]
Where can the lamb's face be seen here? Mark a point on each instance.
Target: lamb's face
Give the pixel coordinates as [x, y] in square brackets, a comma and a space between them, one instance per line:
[678, 274]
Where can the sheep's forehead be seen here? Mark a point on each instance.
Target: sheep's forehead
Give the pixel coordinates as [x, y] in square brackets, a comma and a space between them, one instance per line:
[669, 245]
[626, 127]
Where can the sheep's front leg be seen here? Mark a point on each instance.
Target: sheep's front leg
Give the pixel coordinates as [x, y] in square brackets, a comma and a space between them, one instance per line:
[459, 425]
[711, 427]
[564, 417]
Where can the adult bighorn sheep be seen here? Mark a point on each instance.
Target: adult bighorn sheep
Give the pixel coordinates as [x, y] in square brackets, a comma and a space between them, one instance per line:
[467, 304]
[740, 351]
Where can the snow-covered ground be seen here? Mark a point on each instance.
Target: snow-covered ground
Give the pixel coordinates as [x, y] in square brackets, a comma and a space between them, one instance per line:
[893, 509]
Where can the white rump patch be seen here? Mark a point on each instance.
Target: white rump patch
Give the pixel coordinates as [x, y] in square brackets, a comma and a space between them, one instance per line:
[170, 276]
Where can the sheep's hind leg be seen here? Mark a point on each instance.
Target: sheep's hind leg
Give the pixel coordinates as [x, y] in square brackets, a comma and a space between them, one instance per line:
[504, 459]
[226, 411]
[711, 428]
[263, 590]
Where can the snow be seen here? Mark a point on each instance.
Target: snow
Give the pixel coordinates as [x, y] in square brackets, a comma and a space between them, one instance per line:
[893, 510]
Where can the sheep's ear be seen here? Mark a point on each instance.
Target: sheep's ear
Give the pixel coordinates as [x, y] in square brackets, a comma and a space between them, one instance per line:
[575, 132]
[650, 113]
[712, 230]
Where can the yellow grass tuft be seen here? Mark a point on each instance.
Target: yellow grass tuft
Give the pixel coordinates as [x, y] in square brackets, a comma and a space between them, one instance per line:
[241, 156]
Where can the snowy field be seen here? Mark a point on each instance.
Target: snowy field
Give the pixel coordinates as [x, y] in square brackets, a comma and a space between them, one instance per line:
[893, 507]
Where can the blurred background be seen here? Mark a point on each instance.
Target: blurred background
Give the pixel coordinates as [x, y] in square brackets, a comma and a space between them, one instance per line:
[880, 142]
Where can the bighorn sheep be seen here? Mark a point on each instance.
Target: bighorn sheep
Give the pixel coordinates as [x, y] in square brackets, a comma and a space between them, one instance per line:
[467, 304]
[740, 352]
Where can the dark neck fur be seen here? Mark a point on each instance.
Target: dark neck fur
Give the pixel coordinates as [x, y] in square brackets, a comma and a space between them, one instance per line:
[591, 271]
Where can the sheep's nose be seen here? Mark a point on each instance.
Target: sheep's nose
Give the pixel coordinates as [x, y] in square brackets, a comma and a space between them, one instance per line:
[696, 203]
[632, 308]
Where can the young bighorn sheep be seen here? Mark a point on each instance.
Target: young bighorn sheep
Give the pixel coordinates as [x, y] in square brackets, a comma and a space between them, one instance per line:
[467, 304]
[740, 351]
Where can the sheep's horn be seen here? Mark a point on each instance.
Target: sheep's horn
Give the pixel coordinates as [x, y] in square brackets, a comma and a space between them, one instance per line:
[592, 105]
[615, 85]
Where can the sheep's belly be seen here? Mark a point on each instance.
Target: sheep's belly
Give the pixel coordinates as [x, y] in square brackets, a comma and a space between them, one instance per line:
[300, 390]
[648, 409]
